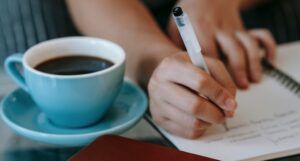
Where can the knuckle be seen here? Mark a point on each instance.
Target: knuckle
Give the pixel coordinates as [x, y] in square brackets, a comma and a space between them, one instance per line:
[196, 107]
[197, 124]
[166, 63]
[202, 81]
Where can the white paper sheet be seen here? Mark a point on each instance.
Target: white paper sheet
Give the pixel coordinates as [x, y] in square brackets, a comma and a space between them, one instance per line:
[288, 59]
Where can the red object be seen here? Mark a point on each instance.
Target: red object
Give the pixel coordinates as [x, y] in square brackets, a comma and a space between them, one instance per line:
[116, 148]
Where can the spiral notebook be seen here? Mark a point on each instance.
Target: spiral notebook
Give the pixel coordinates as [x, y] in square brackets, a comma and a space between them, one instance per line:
[267, 122]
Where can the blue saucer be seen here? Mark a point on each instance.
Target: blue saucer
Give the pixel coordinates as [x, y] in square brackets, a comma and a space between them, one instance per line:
[21, 114]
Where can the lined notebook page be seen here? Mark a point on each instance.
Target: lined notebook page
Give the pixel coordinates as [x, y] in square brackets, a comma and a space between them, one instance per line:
[266, 125]
[288, 59]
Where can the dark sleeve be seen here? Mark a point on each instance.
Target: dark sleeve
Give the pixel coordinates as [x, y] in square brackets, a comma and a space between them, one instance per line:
[23, 23]
[281, 17]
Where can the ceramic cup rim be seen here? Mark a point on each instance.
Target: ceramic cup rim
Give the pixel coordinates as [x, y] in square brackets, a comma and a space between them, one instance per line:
[118, 49]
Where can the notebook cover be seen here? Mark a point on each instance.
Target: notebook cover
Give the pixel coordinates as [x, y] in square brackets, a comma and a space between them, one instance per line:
[116, 148]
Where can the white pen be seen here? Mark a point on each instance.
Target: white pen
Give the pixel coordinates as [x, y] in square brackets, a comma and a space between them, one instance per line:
[190, 41]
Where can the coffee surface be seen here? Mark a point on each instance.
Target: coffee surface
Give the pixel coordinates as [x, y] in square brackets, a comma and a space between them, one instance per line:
[73, 65]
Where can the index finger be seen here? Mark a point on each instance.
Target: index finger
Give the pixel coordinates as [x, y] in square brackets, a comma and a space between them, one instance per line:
[201, 82]
[220, 74]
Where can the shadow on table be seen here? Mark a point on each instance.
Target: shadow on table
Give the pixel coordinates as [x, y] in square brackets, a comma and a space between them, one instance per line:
[290, 158]
[44, 154]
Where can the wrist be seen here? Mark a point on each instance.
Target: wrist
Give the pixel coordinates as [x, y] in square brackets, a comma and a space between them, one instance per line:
[150, 58]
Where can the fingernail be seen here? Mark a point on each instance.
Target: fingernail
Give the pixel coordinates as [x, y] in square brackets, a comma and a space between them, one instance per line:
[230, 104]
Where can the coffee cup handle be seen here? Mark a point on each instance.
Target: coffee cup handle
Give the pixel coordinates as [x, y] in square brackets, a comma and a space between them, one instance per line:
[13, 71]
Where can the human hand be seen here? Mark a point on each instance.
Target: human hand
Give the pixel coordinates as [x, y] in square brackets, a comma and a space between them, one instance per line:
[177, 89]
[219, 27]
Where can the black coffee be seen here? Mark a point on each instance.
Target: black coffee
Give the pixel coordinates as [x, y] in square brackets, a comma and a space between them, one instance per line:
[73, 65]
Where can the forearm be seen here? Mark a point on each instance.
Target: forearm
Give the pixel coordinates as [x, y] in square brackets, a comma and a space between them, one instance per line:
[129, 24]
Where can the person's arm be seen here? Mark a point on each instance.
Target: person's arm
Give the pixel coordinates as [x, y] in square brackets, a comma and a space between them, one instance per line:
[176, 86]
[129, 24]
[222, 34]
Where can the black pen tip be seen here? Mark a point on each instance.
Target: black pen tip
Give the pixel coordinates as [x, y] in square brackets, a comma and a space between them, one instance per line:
[177, 11]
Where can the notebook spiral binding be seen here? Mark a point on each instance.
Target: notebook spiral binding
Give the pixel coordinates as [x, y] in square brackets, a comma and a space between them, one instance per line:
[284, 79]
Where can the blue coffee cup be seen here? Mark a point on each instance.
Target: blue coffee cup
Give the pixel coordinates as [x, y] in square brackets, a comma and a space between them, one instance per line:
[70, 100]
